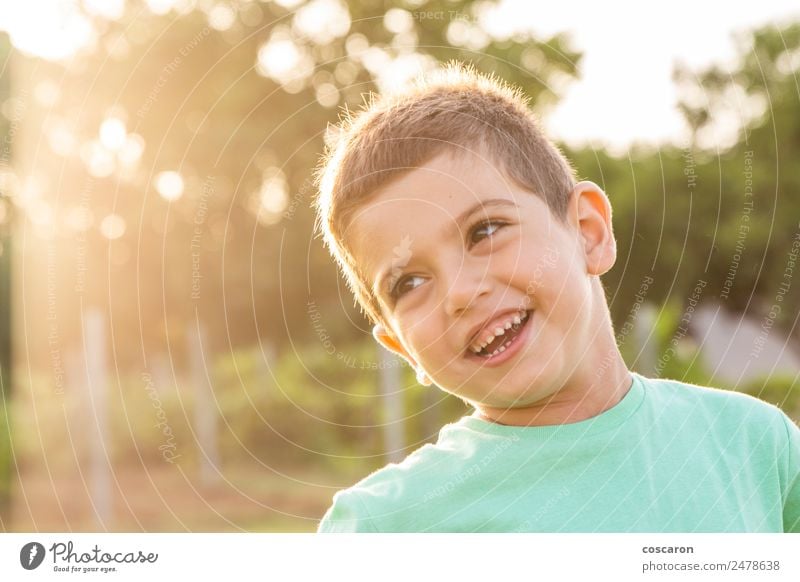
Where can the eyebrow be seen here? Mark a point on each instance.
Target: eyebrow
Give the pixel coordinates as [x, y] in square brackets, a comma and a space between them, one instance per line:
[381, 284]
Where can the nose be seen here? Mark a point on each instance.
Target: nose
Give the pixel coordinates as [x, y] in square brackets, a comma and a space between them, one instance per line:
[466, 285]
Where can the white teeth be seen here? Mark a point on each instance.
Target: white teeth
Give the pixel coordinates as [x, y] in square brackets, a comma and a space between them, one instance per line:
[498, 350]
[498, 331]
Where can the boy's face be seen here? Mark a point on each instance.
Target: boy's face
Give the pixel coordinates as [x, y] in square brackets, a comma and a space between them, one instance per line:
[461, 272]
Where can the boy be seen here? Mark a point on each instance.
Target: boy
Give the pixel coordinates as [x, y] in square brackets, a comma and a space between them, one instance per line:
[451, 185]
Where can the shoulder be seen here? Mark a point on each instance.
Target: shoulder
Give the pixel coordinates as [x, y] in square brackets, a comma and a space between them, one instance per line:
[724, 412]
[709, 400]
[384, 500]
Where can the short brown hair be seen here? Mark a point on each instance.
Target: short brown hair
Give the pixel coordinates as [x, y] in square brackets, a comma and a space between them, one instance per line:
[454, 108]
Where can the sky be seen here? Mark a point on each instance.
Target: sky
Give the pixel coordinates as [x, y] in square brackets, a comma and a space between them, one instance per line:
[625, 93]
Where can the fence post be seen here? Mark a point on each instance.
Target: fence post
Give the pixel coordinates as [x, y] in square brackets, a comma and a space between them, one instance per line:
[392, 397]
[94, 324]
[646, 339]
[205, 409]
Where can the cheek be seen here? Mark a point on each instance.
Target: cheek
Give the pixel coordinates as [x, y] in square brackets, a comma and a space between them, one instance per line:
[420, 341]
[545, 280]
[538, 260]
[432, 345]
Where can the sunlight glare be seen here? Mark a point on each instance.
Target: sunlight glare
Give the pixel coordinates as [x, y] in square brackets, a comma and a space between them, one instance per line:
[50, 29]
[169, 185]
[112, 133]
[322, 20]
[112, 226]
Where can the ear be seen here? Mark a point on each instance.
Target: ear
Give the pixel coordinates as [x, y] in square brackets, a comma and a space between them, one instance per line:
[388, 341]
[593, 214]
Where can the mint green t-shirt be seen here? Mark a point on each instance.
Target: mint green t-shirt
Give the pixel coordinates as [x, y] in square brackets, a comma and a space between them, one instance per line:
[669, 457]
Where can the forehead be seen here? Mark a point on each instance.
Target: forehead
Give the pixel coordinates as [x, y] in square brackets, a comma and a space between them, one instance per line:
[418, 211]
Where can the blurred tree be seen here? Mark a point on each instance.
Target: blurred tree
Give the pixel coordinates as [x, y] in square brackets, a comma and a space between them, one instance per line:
[757, 204]
[236, 99]
[723, 209]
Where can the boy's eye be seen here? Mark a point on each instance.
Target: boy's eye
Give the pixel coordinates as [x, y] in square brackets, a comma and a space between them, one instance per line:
[485, 225]
[399, 288]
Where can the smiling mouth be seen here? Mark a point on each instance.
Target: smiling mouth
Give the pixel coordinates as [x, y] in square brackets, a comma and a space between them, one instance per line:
[502, 342]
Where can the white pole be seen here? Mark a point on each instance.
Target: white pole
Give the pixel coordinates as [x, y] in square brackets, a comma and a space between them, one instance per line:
[94, 324]
[646, 339]
[393, 426]
[205, 410]
[430, 413]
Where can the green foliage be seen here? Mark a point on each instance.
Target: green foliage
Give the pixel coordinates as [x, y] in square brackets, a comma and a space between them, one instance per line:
[6, 463]
[320, 404]
[678, 356]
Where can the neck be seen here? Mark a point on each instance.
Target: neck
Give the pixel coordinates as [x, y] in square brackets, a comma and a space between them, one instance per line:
[583, 395]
